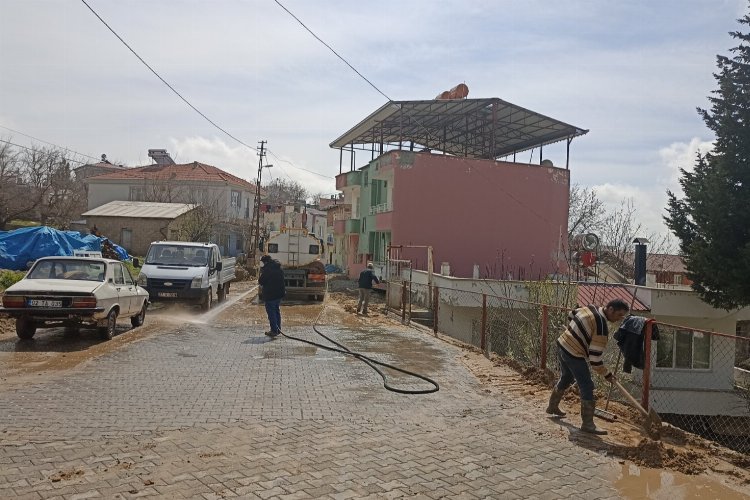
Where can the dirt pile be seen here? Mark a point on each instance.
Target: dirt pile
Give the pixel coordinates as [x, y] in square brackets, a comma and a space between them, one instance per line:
[656, 454]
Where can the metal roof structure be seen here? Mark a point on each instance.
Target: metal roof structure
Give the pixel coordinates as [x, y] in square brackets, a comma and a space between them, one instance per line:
[600, 294]
[140, 209]
[472, 128]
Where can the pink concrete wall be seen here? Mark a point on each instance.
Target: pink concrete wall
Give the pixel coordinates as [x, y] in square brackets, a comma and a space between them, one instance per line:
[506, 217]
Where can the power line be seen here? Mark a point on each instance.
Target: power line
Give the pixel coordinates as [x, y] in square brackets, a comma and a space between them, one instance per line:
[50, 143]
[209, 120]
[331, 49]
[418, 122]
[31, 149]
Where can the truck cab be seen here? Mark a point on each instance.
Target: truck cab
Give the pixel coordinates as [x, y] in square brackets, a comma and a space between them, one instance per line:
[189, 272]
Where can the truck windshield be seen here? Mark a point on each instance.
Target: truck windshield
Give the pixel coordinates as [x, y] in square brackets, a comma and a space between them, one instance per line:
[177, 255]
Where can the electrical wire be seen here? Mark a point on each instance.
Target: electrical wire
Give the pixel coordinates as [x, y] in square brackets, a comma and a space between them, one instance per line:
[496, 183]
[178, 94]
[49, 143]
[31, 149]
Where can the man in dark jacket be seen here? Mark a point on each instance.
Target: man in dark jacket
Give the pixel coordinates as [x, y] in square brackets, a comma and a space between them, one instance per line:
[272, 281]
[366, 278]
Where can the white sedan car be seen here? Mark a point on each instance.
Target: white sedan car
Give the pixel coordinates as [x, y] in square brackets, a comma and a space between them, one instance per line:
[75, 292]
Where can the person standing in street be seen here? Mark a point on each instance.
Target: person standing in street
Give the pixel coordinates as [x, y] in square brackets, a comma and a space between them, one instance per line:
[580, 345]
[272, 280]
[366, 278]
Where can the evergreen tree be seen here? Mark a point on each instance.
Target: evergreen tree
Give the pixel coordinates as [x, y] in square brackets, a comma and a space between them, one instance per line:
[712, 220]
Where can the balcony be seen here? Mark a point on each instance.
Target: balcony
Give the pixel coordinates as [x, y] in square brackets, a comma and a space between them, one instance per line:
[381, 208]
[348, 179]
[347, 226]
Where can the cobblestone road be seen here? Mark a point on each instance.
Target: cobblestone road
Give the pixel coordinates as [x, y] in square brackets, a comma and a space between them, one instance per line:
[221, 411]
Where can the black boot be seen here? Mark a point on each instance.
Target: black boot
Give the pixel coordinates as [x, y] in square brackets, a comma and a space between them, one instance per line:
[587, 416]
[553, 408]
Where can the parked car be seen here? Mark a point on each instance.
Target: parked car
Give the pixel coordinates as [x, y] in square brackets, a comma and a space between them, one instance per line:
[75, 292]
[186, 272]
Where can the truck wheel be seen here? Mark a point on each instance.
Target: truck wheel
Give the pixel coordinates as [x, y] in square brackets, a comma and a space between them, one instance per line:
[208, 301]
[25, 328]
[108, 331]
[138, 319]
[221, 293]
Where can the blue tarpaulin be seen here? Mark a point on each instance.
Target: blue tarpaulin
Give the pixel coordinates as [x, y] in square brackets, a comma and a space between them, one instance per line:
[20, 247]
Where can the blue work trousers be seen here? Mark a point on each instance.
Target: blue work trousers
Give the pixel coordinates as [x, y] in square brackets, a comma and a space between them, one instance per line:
[274, 314]
[575, 369]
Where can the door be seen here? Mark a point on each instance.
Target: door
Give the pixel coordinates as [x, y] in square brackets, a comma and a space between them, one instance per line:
[126, 239]
[131, 288]
[122, 290]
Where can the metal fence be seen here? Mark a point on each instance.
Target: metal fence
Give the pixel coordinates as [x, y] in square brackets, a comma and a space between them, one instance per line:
[689, 375]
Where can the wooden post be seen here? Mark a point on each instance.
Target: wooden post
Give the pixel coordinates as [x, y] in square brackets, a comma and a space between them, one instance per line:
[435, 306]
[647, 366]
[545, 331]
[483, 338]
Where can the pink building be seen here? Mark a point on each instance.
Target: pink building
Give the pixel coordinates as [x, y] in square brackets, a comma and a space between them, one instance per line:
[507, 218]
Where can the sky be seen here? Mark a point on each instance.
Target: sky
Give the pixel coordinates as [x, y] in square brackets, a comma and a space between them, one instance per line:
[632, 72]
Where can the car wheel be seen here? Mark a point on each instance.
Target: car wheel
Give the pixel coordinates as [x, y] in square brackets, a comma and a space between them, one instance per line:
[108, 331]
[138, 319]
[208, 301]
[25, 328]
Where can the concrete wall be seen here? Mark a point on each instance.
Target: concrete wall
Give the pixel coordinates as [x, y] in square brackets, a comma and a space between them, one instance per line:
[143, 231]
[506, 217]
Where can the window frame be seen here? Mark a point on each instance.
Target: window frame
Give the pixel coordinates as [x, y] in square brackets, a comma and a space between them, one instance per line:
[675, 336]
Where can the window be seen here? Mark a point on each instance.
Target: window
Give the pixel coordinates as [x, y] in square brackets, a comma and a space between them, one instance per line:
[137, 193]
[236, 200]
[685, 349]
[273, 248]
[128, 277]
[119, 278]
[314, 249]
[238, 243]
[367, 179]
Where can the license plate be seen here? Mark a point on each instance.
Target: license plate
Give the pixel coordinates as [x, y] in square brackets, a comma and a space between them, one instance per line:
[167, 294]
[45, 303]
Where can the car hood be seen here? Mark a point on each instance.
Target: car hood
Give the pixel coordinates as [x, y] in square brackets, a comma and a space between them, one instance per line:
[57, 286]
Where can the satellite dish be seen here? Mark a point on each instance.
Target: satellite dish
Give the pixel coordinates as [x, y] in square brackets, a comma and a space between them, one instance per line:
[590, 242]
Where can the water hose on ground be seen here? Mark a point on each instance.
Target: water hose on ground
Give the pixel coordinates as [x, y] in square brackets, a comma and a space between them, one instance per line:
[372, 363]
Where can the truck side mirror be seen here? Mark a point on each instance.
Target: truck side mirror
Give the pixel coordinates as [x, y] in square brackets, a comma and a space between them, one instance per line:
[136, 262]
[218, 266]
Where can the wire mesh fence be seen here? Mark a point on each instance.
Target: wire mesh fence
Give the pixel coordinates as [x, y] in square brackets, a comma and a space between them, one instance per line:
[691, 377]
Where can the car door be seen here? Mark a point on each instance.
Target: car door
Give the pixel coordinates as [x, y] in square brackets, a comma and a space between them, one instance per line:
[123, 297]
[132, 290]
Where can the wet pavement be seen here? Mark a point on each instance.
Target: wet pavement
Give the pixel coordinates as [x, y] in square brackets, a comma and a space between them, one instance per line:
[205, 406]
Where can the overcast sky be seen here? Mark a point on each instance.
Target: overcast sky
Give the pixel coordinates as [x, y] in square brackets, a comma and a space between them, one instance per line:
[632, 72]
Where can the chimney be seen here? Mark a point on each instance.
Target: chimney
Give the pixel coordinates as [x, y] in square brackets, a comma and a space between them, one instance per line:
[160, 157]
[640, 261]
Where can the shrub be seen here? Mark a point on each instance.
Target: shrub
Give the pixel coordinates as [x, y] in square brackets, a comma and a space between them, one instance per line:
[8, 278]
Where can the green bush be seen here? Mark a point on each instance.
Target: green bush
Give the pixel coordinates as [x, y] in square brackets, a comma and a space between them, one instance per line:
[7, 278]
[134, 271]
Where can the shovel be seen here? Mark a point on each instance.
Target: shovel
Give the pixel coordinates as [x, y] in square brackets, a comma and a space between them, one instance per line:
[652, 422]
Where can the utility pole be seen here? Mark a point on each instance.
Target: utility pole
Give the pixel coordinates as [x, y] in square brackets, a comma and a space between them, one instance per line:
[255, 226]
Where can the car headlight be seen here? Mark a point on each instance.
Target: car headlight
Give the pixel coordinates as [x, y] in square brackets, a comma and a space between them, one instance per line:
[142, 279]
[197, 282]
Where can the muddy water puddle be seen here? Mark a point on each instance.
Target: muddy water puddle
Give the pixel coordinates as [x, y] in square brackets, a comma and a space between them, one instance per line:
[640, 482]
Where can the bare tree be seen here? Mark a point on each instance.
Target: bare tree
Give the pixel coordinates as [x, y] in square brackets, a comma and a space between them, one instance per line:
[281, 191]
[586, 211]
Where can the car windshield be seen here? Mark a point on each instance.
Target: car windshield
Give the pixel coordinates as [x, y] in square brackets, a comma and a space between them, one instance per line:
[68, 269]
[177, 255]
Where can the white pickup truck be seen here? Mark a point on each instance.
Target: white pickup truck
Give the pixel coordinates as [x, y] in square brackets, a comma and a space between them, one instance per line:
[186, 272]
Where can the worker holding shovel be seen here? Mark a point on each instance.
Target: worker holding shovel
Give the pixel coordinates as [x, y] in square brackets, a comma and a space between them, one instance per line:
[580, 345]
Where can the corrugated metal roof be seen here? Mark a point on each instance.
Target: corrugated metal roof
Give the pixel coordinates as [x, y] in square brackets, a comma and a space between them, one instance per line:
[140, 209]
[470, 128]
[600, 293]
